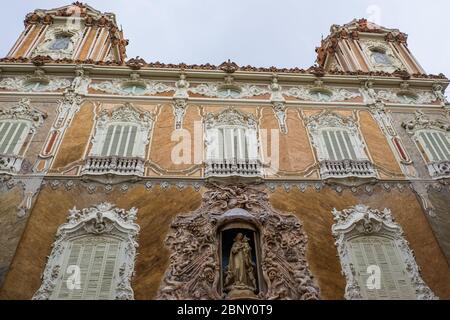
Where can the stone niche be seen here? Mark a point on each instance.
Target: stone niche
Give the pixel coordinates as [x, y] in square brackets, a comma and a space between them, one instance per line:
[236, 246]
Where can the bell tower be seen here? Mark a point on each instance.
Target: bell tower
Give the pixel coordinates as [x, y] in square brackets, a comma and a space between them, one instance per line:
[364, 46]
[75, 32]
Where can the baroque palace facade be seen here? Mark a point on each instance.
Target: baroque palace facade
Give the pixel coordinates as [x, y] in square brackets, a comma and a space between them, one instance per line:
[122, 179]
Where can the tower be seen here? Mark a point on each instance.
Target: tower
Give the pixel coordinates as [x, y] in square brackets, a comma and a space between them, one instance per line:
[75, 32]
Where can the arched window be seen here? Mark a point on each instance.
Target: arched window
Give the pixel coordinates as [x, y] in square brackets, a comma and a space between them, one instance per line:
[339, 146]
[17, 125]
[380, 57]
[375, 258]
[59, 42]
[93, 256]
[120, 142]
[232, 144]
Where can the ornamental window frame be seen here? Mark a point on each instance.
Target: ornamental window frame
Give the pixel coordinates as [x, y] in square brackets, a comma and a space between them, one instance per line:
[21, 114]
[45, 47]
[362, 221]
[422, 124]
[102, 220]
[370, 46]
[125, 116]
[244, 126]
[327, 121]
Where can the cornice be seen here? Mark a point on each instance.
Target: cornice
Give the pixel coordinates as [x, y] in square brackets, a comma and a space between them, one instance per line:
[25, 65]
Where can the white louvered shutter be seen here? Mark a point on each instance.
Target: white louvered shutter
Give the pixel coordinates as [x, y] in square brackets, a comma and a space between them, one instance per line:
[435, 144]
[98, 260]
[338, 145]
[382, 252]
[12, 136]
[120, 140]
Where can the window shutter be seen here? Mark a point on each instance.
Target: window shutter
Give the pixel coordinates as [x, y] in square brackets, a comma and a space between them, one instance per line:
[382, 252]
[338, 145]
[240, 144]
[11, 137]
[228, 143]
[107, 141]
[97, 258]
[252, 144]
[436, 145]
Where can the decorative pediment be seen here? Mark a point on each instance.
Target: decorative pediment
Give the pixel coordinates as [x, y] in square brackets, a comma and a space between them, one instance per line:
[361, 220]
[98, 220]
[230, 117]
[194, 270]
[127, 113]
[421, 121]
[328, 118]
[23, 111]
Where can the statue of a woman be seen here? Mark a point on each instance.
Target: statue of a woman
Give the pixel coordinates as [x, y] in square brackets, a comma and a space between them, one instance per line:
[240, 274]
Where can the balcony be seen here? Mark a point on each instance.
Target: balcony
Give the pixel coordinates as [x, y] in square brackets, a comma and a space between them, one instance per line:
[10, 163]
[439, 169]
[347, 169]
[233, 167]
[126, 166]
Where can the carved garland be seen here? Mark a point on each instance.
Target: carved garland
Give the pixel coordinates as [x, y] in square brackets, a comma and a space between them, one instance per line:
[361, 220]
[194, 270]
[102, 219]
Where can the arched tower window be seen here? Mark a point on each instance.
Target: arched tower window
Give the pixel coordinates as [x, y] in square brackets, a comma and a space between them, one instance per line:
[93, 256]
[375, 258]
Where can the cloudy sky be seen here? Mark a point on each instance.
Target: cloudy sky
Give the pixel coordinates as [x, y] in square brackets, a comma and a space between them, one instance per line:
[281, 33]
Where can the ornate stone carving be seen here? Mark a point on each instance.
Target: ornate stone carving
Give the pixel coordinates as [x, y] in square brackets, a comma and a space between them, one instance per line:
[320, 93]
[230, 116]
[179, 111]
[371, 46]
[194, 270]
[421, 121]
[235, 91]
[121, 87]
[101, 219]
[45, 47]
[23, 111]
[362, 220]
[279, 108]
[34, 84]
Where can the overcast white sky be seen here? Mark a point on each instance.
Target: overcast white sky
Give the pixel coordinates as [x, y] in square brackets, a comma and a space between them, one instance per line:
[281, 33]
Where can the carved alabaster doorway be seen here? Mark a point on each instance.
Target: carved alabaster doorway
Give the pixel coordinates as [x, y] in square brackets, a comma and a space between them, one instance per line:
[275, 247]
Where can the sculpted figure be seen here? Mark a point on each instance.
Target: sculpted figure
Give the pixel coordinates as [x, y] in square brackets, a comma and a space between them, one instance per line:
[240, 274]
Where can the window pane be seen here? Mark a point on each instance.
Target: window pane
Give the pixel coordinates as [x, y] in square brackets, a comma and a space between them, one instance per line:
[8, 137]
[342, 144]
[431, 153]
[335, 145]
[432, 137]
[439, 138]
